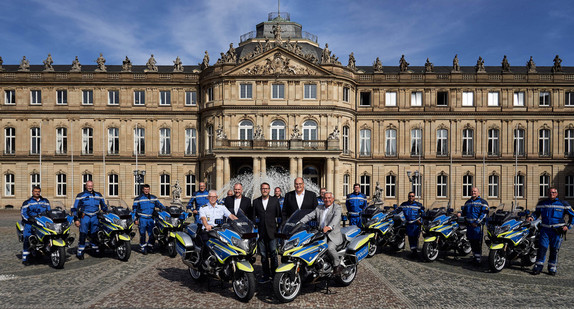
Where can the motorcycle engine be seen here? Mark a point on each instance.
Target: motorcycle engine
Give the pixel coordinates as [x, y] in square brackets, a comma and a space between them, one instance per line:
[322, 266]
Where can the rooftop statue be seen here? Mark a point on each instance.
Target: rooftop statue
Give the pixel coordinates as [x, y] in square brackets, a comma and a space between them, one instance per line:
[531, 66]
[127, 65]
[151, 65]
[277, 35]
[505, 65]
[479, 67]
[177, 65]
[403, 64]
[429, 67]
[101, 61]
[268, 45]
[455, 65]
[352, 63]
[334, 134]
[230, 56]
[48, 64]
[76, 66]
[205, 63]
[326, 55]
[24, 65]
[378, 66]
[557, 65]
[296, 133]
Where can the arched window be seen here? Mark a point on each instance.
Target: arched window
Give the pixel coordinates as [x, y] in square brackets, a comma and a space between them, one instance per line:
[277, 130]
[246, 130]
[311, 173]
[309, 130]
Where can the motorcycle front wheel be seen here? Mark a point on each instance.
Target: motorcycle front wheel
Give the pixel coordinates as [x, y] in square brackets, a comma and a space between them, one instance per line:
[286, 286]
[347, 276]
[124, 250]
[398, 245]
[171, 251]
[244, 285]
[195, 274]
[496, 260]
[430, 251]
[373, 248]
[58, 257]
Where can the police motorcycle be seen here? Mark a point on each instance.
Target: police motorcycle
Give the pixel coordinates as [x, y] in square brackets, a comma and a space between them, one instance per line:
[115, 231]
[167, 222]
[50, 235]
[228, 256]
[510, 236]
[303, 251]
[387, 226]
[443, 231]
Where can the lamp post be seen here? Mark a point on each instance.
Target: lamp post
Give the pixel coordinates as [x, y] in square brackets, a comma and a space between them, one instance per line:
[412, 176]
[139, 177]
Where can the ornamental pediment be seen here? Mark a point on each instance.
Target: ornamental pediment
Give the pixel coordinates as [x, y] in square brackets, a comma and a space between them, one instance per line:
[278, 63]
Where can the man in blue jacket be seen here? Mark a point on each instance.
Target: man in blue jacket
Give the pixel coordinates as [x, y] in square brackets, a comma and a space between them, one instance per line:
[143, 208]
[198, 199]
[31, 208]
[413, 211]
[552, 213]
[85, 210]
[475, 210]
[356, 201]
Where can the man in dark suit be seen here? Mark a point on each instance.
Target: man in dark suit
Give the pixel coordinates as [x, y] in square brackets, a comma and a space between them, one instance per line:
[298, 199]
[238, 201]
[266, 210]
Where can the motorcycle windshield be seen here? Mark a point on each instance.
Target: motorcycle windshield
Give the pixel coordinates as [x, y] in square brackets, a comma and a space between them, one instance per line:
[291, 225]
[242, 225]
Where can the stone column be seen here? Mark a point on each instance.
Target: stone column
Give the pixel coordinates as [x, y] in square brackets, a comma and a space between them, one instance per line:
[292, 170]
[256, 170]
[226, 170]
[218, 173]
[337, 174]
[263, 165]
[299, 167]
[329, 174]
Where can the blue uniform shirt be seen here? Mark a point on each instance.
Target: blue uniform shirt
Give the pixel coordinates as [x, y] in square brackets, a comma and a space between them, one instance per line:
[145, 205]
[412, 211]
[552, 213]
[320, 201]
[199, 198]
[89, 203]
[355, 203]
[475, 210]
[32, 208]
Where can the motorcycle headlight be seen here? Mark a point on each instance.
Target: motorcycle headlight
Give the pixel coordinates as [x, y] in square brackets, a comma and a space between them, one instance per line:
[175, 222]
[121, 222]
[240, 243]
[290, 244]
[501, 229]
[50, 226]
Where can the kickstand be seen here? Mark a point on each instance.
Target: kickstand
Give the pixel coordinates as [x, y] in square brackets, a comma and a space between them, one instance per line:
[325, 289]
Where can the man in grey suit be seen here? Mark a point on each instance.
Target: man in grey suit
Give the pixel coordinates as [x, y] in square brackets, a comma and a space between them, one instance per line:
[328, 217]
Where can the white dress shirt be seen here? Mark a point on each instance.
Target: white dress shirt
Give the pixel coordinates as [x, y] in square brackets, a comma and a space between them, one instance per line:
[300, 198]
[236, 204]
[264, 202]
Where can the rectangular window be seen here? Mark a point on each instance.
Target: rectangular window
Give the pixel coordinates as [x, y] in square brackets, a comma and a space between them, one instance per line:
[165, 98]
[139, 141]
[544, 98]
[164, 185]
[87, 141]
[493, 142]
[544, 143]
[365, 99]
[61, 186]
[9, 185]
[113, 97]
[278, 91]
[519, 186]
[87, 97]
[441, 186]
[493, 98]
[209, 139]
[85, 178]
[246, 91]
[209, 94]
[365, 143]
[61, 141]
[113, 141]
[518, 98]
[467, 98]
[416, 185]
[391, 98]
[346, 149]
[36, 97]
[9, 140]
[493, 186]
[9, 97]
[113, 185]
[35, 180]
[189, 185]
[416, 142]
[569, 143]
[190, 98]
[519, 147]
[416, 98]
[165, 141]
[366, 185]
[442, 142]
[190, 141]
[569, 186]
[468, 142]
[139, 97]
[139, 181]
[442, 98]
[346, 94]
[35, 141]
[310, 91]
[62, 97]
[391, 143]
[467, 185]
[544, 185]
[390, 186]
[569, 100]
[346, 181]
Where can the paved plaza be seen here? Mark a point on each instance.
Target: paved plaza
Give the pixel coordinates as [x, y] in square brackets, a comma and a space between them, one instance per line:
[384, 281]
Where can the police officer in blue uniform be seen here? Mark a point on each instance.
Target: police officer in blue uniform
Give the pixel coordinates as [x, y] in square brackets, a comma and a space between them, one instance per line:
[413, 211]
[475, 210]
[198, 199]
[553, 226]
[356, 201]
[32, 207]
[277, 192]
[143, 208]
[321, 197]
[85, 210]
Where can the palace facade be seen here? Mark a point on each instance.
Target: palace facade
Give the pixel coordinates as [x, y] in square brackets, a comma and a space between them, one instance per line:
[280, 101]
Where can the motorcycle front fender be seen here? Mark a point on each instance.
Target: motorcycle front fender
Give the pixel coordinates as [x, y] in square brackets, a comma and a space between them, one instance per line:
[283, 268]
[124, 237]
[430, 239]
[244, 266]
[58, 243]
[496, 246]
[171, 234]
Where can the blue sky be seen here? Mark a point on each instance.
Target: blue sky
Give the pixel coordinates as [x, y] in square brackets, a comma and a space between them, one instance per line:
[436, 29]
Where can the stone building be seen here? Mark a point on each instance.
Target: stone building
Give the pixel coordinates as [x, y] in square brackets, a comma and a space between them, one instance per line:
[280, 100]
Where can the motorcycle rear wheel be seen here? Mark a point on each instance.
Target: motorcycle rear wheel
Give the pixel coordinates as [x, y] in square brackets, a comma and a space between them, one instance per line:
[530, 258]
[195, 274]
[124, 250]
[464, 248]
[430, 251]
[58, 257]
[400, 245]
[171, 251]
[496, 260]
[244, 285]
[286, 286]
[347, 276]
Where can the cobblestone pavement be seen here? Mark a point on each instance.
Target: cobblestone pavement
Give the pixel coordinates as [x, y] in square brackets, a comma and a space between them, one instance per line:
[386, 280]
